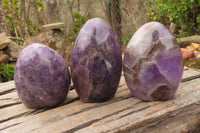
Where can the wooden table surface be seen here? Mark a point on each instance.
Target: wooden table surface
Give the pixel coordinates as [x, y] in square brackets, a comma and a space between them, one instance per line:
[123, 113]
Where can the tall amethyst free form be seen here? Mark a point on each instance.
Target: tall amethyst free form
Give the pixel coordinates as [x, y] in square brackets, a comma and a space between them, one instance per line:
[153, 64]
[96, 61]
[41, 77]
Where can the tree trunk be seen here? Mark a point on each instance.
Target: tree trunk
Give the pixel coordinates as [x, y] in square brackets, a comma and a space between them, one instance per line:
[183, 42]
[1, 18]
[78, 6]
[52, 12]
[70, 5]
[23, 9]
[5, 28]
[40, 16]
[115, 15]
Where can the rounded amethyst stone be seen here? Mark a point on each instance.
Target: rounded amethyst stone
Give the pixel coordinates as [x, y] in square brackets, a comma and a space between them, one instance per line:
[153, 64]
[96, 61]
[41, 76]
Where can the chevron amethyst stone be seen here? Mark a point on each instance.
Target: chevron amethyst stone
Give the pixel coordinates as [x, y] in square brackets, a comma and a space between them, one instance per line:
[42, 78]
[153, 64]
[96, 61]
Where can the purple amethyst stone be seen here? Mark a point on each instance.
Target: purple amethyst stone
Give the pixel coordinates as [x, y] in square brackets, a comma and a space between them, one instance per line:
[153, 64]
[41, 77]
[96, 61]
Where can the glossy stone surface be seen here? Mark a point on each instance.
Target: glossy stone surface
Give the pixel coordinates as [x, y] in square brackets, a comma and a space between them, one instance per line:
[41, 76]
[153, 64]
[96, 61]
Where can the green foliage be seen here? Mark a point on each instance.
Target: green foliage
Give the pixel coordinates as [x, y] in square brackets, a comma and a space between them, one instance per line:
[40, 5]
[6, 72]
[76, 15]
[126, 39]
[78, 23]
[31, 28]
[11, 10]
[18, 26]
[198, 18]
[185, 14]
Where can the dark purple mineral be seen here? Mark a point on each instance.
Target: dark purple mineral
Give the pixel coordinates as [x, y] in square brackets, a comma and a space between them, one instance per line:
[96, 61]
[41, 77]
[153, 64]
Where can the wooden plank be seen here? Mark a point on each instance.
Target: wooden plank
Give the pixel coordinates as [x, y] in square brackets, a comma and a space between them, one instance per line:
[7, 87]
[9, 99]
[59, 120]
[190, 74]
[29, 113]
[123, 112]
[145, 111]
[21, 110]
[185, 104]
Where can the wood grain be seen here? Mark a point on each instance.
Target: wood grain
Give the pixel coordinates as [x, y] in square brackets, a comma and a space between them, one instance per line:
[123, 113]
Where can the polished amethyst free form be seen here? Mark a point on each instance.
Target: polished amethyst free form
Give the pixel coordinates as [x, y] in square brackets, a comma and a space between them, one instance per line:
[96, 61]
[153, 64]
[41, 76]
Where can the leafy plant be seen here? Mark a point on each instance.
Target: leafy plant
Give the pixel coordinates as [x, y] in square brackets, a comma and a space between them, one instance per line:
[11, 13]
[40, 5]
[185, 14]
[20, 27]
[78, 23]
[126, 39]
[6, 72]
